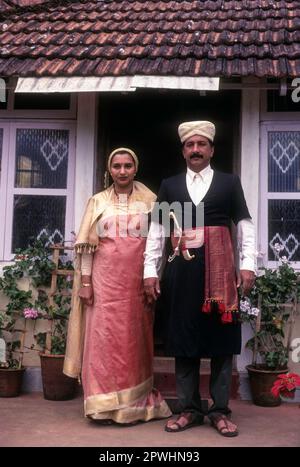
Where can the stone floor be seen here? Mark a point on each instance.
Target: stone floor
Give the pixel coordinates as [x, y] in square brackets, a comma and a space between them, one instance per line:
[30, 420]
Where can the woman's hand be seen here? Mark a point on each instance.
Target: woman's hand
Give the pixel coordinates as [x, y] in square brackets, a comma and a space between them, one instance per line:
[87, 295]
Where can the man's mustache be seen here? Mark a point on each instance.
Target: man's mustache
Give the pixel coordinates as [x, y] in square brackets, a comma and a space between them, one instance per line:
[196, 154]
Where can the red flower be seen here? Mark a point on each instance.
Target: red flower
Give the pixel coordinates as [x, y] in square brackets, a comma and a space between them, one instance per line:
[285, 385]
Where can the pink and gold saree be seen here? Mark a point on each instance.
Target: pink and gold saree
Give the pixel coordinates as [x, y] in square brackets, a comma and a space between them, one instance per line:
[117, 362]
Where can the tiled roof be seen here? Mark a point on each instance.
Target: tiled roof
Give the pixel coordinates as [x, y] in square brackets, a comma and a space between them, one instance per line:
[190, 38]
[6, 5]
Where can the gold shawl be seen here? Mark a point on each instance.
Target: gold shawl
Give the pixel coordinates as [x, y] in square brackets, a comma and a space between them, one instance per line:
[87, 241]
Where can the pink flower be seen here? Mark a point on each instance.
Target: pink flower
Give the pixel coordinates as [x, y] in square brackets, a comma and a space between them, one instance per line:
[30, 313]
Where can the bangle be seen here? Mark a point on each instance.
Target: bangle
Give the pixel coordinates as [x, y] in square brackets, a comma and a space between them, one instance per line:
[86, 285]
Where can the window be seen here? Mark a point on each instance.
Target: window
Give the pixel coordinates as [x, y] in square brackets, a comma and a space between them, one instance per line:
[3, 93]
[37, 192]
[39, 106]
[277, 103]
[51, 101]
[280, 190]
[1, 141]
[3, 176]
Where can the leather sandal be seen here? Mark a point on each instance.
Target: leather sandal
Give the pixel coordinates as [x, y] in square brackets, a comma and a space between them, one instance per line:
[224, 430]
[190, 418]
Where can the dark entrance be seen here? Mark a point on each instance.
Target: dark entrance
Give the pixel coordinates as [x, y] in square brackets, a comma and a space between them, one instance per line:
[147, 121]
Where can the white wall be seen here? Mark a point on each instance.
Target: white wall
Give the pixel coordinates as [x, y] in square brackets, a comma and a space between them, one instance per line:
[250, 179]
[85, 152]
[250, 133]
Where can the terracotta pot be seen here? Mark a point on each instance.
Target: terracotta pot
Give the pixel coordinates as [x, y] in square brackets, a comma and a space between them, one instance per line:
[288, 398]
[11, 381]
[56, 385]
[261, 382]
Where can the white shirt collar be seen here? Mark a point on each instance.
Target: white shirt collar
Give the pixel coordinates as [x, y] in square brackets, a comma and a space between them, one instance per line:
[204, 174]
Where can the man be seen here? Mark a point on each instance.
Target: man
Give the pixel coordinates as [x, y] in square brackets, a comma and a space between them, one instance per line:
[200, 285]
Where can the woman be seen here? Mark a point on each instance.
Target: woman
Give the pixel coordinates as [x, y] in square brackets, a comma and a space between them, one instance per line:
[118, 345]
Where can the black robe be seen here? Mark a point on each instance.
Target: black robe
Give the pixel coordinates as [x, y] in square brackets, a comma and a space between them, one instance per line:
[188, 332]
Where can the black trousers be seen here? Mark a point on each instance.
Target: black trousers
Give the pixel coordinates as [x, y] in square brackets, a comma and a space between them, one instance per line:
[187, 385]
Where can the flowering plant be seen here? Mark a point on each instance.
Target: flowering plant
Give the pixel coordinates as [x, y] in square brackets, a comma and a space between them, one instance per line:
[269, 310]
[35, 264]
[285, 385]
[13, 337]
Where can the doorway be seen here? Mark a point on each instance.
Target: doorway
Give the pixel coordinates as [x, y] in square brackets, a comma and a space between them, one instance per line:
[147, 122]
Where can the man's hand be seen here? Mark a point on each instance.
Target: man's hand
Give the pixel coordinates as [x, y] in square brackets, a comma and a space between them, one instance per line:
[152, 289]
[87, 295]
[246, 280]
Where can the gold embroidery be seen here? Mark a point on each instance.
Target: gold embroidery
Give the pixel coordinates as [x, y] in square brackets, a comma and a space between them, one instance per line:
[115, 400]
[132, 414]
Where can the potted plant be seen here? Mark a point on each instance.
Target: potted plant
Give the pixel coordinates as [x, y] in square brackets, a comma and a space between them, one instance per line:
[12, 329]
[47, 300]
[11, 355]
[270, 310]
[55, 307]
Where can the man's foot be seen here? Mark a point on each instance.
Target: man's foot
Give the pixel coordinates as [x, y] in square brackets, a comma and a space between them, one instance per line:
[184, 421]
[224, 426]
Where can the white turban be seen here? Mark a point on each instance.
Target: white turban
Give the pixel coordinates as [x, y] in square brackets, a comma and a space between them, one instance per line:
[201, 128]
